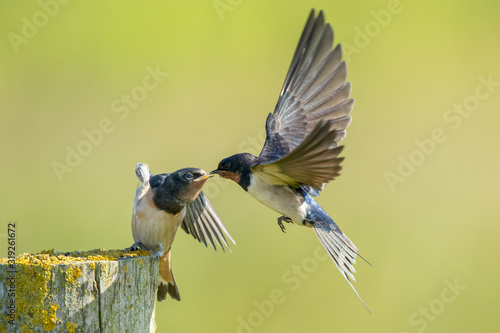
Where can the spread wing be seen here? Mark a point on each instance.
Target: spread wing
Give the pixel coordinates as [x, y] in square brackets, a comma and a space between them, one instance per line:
[314, 162]
[314, 90]
[203, 222]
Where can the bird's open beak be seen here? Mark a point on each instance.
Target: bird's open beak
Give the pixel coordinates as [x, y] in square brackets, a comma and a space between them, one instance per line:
[205, 177]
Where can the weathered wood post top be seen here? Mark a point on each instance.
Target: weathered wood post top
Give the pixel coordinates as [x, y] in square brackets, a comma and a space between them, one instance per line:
[92, 291]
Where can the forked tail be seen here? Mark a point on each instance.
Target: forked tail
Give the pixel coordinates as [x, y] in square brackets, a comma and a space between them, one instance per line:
[166, 281]
[165, 288]
[341, 250]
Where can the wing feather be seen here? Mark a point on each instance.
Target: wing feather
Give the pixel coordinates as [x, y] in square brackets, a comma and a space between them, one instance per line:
[314, 162]
[314, 90]
[204, 224]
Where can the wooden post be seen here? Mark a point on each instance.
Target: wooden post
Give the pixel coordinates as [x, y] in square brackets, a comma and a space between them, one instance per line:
[93, 291]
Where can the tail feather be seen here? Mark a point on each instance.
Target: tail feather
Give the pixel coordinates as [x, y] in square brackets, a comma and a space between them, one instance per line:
[166, 281]
[165, 288]
[343, 259]
[142, 172]
[342, 251]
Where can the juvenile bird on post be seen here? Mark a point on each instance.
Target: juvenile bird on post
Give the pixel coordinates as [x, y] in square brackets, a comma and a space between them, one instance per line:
[163, 203]
[300, 154]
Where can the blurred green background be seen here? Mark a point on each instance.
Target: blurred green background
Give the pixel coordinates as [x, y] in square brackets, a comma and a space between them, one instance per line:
[424, 213]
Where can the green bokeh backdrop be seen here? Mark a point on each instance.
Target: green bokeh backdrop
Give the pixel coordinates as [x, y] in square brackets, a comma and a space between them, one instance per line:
[438, 224]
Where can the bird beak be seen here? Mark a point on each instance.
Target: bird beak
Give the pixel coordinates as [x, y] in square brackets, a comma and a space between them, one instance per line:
[205, 177]
[235, 176]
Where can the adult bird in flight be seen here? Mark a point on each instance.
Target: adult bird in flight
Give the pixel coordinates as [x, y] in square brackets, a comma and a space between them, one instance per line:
[300, 154]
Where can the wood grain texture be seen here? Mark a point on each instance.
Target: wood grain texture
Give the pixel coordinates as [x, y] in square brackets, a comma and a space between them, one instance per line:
[94, 291]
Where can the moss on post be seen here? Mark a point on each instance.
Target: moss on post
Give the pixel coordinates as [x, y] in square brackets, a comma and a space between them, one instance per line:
[94, 291]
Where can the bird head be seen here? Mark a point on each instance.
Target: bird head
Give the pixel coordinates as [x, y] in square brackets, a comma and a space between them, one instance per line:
[187, 183]
[235, 167]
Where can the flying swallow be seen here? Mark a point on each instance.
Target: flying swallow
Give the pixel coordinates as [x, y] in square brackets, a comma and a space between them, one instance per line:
[163, 203]
[300, 154]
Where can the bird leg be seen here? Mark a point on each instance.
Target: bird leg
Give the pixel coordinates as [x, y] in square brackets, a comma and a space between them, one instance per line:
[136, 246]
[160, 252]
[139, 246]
[280, 222]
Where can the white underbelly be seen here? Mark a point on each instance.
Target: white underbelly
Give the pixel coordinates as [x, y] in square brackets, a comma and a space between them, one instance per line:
[151, 226]
[282, 199]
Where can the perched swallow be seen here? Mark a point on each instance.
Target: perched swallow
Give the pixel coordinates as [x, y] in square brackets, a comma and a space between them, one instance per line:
[300, 154]
[163, 203]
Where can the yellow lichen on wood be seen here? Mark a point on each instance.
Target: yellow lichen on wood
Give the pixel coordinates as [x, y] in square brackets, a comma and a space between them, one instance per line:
[46, 281]
[49, 322]
[71, 327]
[25, 329]
[31, 284]
[51, 257]
[73, 273]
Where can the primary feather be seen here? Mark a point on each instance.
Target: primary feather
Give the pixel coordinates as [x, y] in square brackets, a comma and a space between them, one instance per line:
[314, 90]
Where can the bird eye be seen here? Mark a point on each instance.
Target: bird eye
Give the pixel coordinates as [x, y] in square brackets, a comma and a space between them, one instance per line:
[189, 176]
[226, 165]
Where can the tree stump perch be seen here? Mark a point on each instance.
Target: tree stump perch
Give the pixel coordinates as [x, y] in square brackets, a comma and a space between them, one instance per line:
[94, 291]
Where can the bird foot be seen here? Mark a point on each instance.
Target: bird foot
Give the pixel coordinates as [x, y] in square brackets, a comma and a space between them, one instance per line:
[159, 253]
[136, 246]
[139, 246]
[280, 222]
